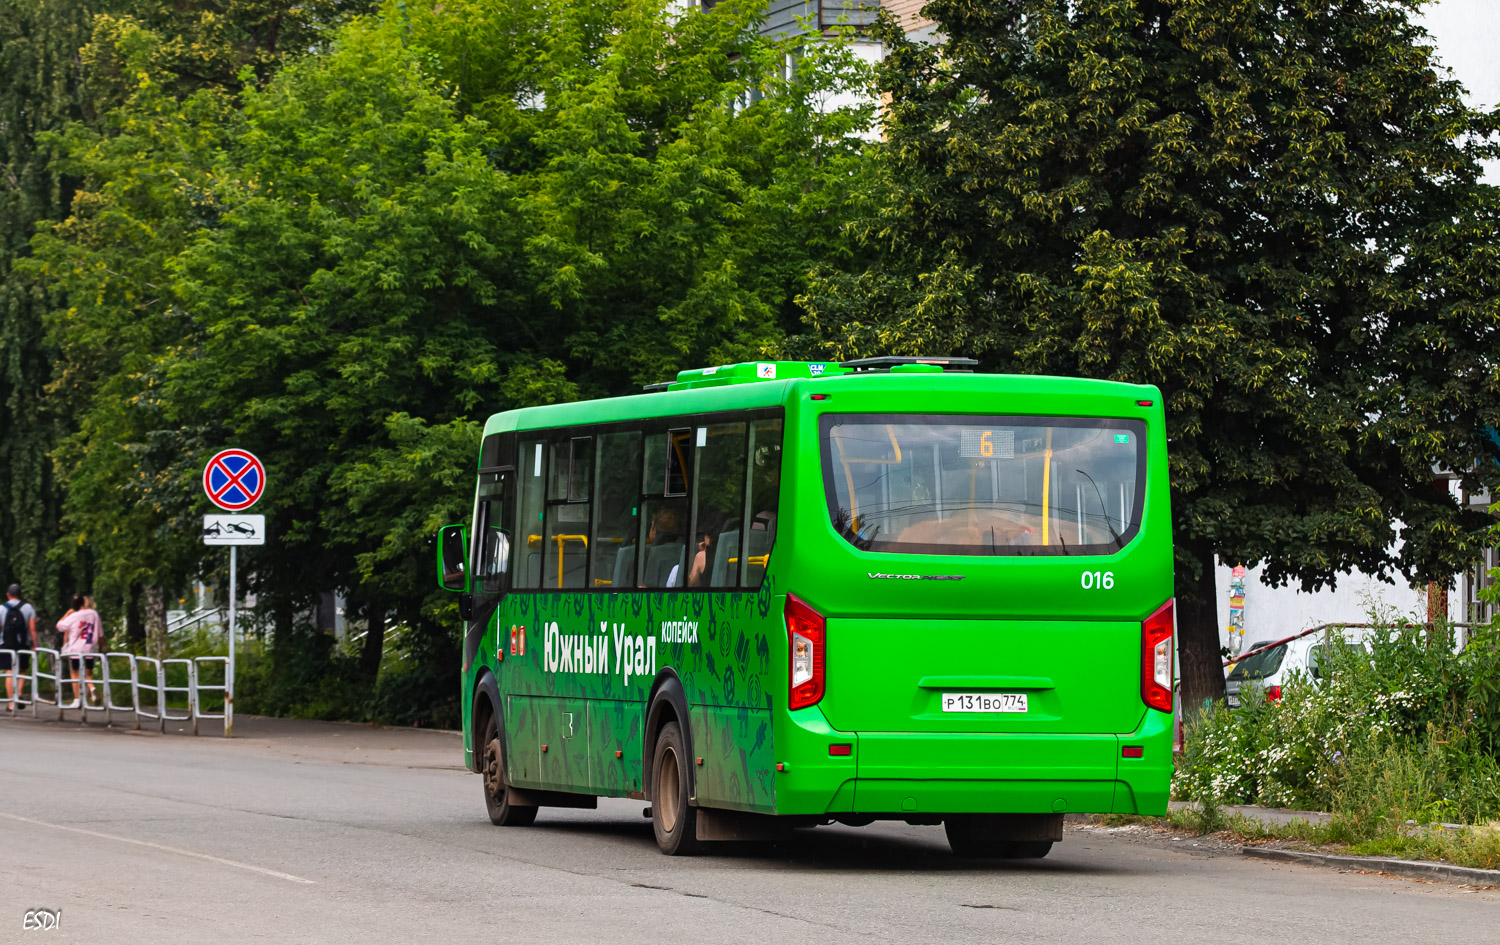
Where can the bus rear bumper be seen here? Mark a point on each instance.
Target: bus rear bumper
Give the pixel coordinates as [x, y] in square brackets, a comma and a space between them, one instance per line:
[898, 773]
[934, 796]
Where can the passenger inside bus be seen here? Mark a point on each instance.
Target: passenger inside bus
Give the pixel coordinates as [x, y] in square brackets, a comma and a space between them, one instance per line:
[712, 541]
[664, 546]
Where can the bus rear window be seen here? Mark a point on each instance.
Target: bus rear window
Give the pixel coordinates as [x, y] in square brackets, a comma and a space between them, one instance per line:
[959, 485]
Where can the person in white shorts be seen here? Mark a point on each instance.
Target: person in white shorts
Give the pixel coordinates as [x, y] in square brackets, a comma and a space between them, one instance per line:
[81, 639]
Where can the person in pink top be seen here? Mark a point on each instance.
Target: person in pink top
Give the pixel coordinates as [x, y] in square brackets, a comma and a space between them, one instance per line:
[82, 639]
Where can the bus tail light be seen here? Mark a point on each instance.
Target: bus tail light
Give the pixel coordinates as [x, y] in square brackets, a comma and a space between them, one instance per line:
[1156, 658]
[805, 639]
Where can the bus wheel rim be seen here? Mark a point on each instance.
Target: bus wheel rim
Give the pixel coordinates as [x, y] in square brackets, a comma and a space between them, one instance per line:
[667, 779]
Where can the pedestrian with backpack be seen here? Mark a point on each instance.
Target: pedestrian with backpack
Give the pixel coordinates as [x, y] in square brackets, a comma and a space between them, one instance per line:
[17, 632]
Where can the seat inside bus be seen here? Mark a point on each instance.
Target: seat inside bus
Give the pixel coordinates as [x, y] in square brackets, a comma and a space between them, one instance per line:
[624, 567]
[660, 560]
[724, 568]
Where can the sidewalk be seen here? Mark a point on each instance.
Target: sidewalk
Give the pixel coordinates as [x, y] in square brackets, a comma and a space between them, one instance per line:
[349, 742]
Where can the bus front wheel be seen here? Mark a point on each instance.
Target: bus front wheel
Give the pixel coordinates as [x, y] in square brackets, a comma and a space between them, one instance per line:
[502, 812]
[673, 819]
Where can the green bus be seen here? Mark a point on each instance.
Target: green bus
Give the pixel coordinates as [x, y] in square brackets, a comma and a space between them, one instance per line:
[783, 594]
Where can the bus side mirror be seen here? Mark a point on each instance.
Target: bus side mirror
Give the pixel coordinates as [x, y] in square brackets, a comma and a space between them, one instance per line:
[453, 556]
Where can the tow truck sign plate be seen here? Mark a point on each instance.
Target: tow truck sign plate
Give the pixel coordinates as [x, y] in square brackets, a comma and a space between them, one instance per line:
[234, 529]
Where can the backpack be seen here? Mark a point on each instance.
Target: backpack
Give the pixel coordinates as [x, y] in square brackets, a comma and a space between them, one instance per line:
[13, 633]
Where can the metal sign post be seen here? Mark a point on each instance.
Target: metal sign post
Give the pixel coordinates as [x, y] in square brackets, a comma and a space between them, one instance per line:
[234, 560]
[234, 481]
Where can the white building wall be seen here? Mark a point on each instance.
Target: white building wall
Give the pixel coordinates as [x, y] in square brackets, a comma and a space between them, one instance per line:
[1275, 612]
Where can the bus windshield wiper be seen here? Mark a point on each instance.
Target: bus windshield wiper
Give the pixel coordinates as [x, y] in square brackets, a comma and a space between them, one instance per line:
[1102, 508]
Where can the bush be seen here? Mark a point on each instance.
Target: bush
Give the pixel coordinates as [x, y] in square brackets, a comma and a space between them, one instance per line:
[307, 674]
[303, 675]
[1409, 733]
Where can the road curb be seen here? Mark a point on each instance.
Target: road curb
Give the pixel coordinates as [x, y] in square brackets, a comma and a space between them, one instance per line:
[1268, 816]
[1411, 869]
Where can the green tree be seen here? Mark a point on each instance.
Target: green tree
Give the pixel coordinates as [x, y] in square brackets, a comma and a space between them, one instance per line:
[128, 471]
[194, 45]
[1273, 209]
[66, 66]
[456, 208]
[39, 93]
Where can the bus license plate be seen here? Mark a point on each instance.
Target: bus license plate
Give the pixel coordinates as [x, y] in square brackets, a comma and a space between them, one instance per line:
[984, 702]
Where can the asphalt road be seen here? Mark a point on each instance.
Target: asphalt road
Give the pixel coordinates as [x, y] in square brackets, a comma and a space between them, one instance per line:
[311, 832]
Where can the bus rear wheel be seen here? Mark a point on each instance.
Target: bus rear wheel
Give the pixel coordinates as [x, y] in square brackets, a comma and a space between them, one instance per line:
[673, 819]
[990, 836]
[502, 812]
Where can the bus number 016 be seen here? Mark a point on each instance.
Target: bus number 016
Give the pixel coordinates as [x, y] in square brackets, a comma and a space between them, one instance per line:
[1100, 579]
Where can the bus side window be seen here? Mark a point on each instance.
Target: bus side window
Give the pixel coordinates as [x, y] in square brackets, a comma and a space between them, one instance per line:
[718, 507]
[565, 553]
[617, 480]
[761, 503]
[527, 569]
[664, 510]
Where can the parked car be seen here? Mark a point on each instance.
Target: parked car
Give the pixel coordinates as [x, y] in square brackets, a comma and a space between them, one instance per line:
[1264, 674]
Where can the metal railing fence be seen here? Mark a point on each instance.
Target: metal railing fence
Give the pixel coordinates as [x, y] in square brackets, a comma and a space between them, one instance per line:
[206, 616]
[160, 691]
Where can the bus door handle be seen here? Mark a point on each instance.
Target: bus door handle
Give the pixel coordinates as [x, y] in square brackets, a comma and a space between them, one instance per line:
[1007, 683]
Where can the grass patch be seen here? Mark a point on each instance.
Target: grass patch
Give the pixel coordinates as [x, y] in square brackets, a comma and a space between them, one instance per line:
[1125, 820]
[1395, 741]
[1478, 847]
[1207, 817]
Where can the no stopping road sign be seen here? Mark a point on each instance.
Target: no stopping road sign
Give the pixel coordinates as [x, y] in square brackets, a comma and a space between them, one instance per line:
[234, 480]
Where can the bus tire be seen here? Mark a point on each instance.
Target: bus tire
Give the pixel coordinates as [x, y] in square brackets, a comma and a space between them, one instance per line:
[673, 819]
[492, 770]
[980, 836]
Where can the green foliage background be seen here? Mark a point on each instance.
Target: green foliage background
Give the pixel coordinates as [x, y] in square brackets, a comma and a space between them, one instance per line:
[340, 235]
[343, 261]
[68, 72]
[1273, 210]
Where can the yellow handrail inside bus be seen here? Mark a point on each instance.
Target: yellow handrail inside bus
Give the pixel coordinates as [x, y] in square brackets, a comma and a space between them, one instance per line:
[846, 462]
[562, 540]
[1046, 485]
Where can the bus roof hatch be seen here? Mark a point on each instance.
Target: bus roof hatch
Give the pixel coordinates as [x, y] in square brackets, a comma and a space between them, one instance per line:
[749, 372]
